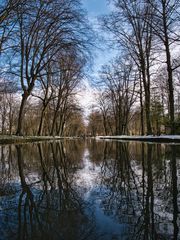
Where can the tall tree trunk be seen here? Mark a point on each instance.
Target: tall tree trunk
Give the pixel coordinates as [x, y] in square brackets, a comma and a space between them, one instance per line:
[21, 114]
[41, 124]
[169, 69]
[147, 110]
[61, 132]
[142, 108]
[170, 88]
[54, 123]
[148, 93]
[147, 99]
[61, 125]
[105, 124]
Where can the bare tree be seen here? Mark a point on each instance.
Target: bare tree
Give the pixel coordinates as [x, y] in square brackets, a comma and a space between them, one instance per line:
[47, 94]
[7, 22]
[130, 24]
[68, 77]
[44, 29]
[120, 79]
[103, 104]
[165, 26]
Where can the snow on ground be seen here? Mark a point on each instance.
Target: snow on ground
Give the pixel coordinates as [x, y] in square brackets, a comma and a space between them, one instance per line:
[153, 137]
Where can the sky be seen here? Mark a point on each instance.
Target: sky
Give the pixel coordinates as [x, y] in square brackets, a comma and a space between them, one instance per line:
[95, 8]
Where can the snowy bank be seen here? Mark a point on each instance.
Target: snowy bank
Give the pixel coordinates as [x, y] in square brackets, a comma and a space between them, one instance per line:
[148, 138]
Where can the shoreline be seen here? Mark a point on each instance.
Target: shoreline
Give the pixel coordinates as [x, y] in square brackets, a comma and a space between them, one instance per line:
[157, 139]
[5, 139]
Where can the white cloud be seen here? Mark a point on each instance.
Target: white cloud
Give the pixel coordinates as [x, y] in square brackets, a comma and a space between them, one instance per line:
[87, 96]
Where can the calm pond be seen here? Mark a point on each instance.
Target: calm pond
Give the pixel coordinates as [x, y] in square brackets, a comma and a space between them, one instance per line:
[98, 190]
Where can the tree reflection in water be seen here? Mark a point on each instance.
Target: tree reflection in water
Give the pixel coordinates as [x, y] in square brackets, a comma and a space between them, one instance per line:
[89, 190]
[139, 187]
[47, 206]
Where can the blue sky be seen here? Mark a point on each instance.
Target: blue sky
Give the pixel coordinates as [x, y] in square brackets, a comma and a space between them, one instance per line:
[96, 8]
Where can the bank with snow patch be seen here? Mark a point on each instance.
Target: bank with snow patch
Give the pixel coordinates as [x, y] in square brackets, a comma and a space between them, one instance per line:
[149, 138]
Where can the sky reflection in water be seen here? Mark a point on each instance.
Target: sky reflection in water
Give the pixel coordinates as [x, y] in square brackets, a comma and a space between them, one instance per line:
[89, 190]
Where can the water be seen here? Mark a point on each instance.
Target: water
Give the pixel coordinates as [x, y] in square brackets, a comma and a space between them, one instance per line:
[89, 190]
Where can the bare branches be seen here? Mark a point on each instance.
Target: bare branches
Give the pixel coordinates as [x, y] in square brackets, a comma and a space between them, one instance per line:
[44, 32]
[120, 83]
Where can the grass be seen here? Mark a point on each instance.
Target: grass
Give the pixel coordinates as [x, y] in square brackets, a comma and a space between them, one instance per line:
[6, 139]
